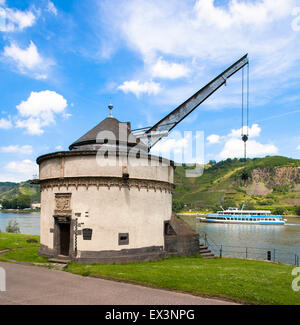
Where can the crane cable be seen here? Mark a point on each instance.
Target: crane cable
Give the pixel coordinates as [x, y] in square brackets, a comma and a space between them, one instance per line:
[245, 135]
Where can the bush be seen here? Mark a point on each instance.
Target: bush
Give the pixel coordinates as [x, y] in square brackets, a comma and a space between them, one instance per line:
[278, 211]
[298, 210]
[13, 227]
[281, 188]
[263, 202]
[248, 205]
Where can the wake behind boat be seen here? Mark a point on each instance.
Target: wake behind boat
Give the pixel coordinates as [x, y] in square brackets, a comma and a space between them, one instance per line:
[233, 215]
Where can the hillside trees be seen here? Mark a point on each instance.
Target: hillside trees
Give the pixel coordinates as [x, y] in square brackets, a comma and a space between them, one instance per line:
[22, 201]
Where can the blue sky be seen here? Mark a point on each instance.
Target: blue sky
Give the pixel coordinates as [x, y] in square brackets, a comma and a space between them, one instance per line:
[62, 62]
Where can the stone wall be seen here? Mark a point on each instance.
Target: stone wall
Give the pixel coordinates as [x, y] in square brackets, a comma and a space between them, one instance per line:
[180, 239]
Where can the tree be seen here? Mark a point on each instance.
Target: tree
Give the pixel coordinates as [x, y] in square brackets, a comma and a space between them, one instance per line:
[22, 201]
[177, 205]
[6, 204]
[298, 210]
[228, 203]
[13, 227]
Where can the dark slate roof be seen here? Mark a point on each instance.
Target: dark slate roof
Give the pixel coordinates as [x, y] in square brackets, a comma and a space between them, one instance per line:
[108, 127]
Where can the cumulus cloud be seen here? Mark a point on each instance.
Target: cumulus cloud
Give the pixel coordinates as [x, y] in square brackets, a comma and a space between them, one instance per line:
[26, 149]
[182, 148]
[5, 124]
[234, 148]
[40, 109]
[138, 88]
[298, 148]
[12, 20]
[253, 131]
[213, 139]
[164, 69]
[175, 145]
[28, 60]
[26, 167]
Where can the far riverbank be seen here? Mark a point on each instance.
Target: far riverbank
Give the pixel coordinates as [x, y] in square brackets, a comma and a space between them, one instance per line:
[19, 211]
[196, 214]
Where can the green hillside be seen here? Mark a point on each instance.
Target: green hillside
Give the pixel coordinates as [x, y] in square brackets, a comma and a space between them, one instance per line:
[264, 183]
[10, 191]
[261, 183]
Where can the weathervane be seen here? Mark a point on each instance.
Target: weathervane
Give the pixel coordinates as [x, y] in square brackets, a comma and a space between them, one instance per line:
[110, 106]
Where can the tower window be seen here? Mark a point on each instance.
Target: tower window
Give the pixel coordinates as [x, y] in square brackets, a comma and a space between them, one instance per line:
[87, 233]
[123, 238]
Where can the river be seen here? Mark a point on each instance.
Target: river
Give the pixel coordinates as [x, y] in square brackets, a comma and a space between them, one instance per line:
[254, 241]
[251, 241]
[29, 223]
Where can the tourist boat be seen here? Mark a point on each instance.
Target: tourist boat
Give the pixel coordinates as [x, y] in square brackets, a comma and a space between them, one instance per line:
[233, 215]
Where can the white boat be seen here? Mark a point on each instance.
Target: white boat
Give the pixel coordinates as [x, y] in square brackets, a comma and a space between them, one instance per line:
[234, 215]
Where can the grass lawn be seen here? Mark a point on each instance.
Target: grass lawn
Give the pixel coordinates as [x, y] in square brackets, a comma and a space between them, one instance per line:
[255, 282]
[9, 240]
[246, 281]
[29, 254]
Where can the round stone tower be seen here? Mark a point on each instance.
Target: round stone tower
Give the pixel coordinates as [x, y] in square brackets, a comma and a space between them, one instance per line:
[106, 199]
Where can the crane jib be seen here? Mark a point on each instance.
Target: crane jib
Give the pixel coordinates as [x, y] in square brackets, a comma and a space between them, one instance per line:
[183, 110]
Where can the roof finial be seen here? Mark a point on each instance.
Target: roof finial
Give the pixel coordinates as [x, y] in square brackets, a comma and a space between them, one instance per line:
[110, 106]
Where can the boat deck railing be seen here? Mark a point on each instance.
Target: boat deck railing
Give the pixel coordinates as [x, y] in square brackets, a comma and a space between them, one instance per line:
[248, 252]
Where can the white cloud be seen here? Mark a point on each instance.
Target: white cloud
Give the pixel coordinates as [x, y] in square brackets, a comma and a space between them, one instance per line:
[5, 124]
[211, 36]
[26, 149]
[298, 148]
[253, 131]
[234, 148]
[40, 108]
[26, 167]
[51, 8]
[204, 30]
[13, 177]
[134, 86]
[213, 139]
[181, 148]
[256, 13]
[12, 20]
[43, 103]
[32, 125]
[28, 60]
[164, 69]
[59, 147]
[168, 146]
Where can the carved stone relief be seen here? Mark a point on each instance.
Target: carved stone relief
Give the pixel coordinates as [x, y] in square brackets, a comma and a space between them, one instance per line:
[63, 204]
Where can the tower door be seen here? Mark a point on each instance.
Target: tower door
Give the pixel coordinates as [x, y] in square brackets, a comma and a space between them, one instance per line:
[64, 238]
